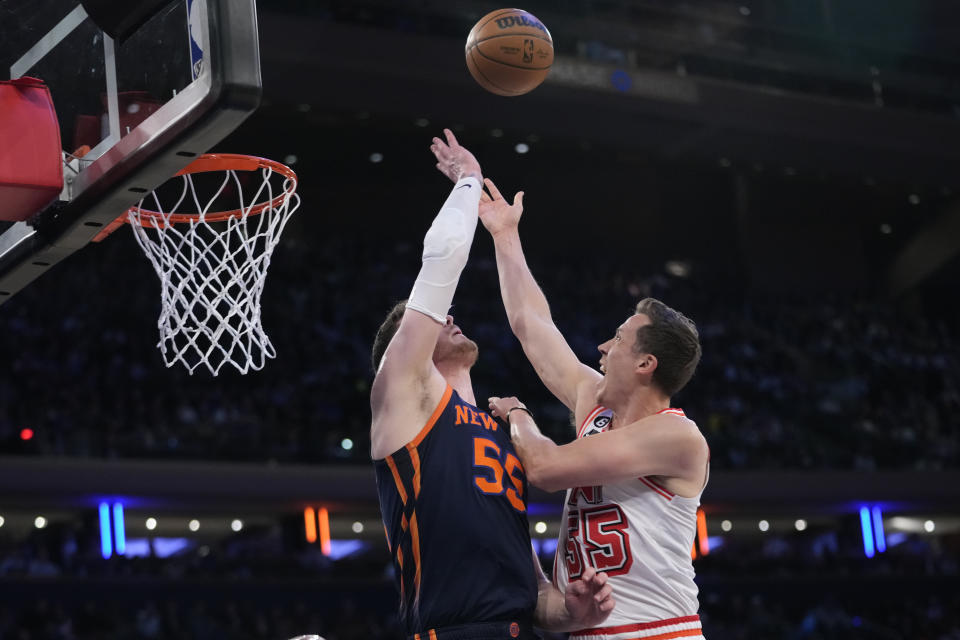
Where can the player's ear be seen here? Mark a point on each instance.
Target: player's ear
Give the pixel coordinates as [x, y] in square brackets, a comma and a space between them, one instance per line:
[647, 364]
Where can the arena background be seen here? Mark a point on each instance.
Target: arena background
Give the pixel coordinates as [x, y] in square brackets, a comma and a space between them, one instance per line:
[784, 172]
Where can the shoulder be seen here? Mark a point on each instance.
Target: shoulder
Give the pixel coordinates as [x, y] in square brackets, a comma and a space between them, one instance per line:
[401, 409]
[677, 422]
[686, 440]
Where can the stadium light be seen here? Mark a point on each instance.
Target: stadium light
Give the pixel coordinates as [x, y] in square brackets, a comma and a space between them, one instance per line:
[119, 530]
[702, 538]
[323, 520]
[106, 538]
[310, 525]
[879, 536]
[867, 530]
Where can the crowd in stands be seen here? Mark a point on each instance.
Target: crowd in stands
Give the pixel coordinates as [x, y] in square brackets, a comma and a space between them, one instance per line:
[786, 380]
[261, 584]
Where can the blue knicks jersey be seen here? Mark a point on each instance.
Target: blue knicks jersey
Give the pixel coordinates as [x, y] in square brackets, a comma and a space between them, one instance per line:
[454, 506]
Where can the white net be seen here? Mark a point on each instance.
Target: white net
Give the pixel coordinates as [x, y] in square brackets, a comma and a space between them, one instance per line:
[212, 273]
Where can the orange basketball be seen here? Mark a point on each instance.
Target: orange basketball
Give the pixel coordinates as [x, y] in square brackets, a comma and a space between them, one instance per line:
[509, 52]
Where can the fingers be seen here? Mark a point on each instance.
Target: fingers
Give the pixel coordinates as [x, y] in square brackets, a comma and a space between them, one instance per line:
[442, 154]
[588, 574]
[496, 195]
[600, 579]
[577, 588]
[451, 139]
[604, 598]
[493, 189]
[485, 197]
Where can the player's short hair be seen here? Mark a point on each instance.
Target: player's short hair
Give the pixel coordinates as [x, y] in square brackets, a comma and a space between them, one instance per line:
[386, 332]
[673, 339]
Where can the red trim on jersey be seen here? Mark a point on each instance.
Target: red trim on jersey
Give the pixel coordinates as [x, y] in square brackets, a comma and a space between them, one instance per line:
[676, 412]
[660, 486]
[590, 416]
[656, 488]
[670, 635]
[640, 626]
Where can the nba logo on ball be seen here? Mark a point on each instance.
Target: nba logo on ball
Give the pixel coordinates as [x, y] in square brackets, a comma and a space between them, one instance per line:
[509, 52]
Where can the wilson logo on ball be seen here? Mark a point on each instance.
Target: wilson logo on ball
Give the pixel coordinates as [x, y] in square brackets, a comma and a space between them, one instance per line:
[520, 21]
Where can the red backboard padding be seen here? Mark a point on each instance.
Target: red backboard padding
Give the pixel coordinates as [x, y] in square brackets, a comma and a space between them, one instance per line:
[31, 163]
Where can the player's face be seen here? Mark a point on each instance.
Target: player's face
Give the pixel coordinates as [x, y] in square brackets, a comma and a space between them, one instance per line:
[619, 360]
[452, 344]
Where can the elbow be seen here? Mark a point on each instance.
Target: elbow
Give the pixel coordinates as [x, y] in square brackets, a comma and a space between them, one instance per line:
[551, 486]
[540, 457]
[519, 324]
[540, 476]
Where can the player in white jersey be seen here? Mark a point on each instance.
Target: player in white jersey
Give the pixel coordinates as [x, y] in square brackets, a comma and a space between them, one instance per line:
[637, 468]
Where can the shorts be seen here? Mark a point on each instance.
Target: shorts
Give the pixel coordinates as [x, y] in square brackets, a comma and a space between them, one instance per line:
[505, 630]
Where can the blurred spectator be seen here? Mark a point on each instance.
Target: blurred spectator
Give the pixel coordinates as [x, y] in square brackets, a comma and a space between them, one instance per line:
[785, 381]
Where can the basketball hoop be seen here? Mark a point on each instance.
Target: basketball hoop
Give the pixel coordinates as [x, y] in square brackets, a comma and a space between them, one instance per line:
[212, 264]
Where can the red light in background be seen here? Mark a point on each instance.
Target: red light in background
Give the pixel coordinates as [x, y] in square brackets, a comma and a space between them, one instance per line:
[26, 434]
[323, 517]
[310, 524]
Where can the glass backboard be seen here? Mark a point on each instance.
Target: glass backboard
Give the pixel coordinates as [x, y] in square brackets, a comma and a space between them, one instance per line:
[132, 111]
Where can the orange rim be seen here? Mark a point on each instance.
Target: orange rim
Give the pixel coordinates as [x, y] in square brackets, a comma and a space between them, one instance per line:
[207, 163]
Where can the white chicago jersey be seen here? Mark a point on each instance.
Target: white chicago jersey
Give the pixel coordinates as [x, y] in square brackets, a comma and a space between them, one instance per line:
[641, 535]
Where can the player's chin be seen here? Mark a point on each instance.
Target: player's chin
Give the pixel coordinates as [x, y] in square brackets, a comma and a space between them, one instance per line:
[469, 349]
[473, 347]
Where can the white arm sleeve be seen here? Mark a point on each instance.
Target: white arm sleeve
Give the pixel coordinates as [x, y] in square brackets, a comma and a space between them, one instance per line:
[445, 250]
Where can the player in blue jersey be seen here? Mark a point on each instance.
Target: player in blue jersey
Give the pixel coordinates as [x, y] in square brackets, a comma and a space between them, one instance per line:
[453, 493]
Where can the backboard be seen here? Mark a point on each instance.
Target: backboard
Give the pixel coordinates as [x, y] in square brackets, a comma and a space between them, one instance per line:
[138, 109]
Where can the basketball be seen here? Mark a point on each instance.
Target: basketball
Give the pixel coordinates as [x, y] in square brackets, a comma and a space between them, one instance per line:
[509, 52]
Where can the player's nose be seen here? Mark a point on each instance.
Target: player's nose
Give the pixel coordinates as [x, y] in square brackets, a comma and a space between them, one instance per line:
[449, 319]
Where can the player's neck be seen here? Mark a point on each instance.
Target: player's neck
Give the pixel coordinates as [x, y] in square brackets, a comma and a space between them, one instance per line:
[641, 404]
[458, 377]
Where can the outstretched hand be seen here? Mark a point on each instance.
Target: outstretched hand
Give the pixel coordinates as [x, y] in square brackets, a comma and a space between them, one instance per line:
[496, 214]
[454, 161]
[589, 600]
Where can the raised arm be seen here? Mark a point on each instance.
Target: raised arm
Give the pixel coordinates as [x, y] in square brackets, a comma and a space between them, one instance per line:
[527, 308]
[407, 385]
